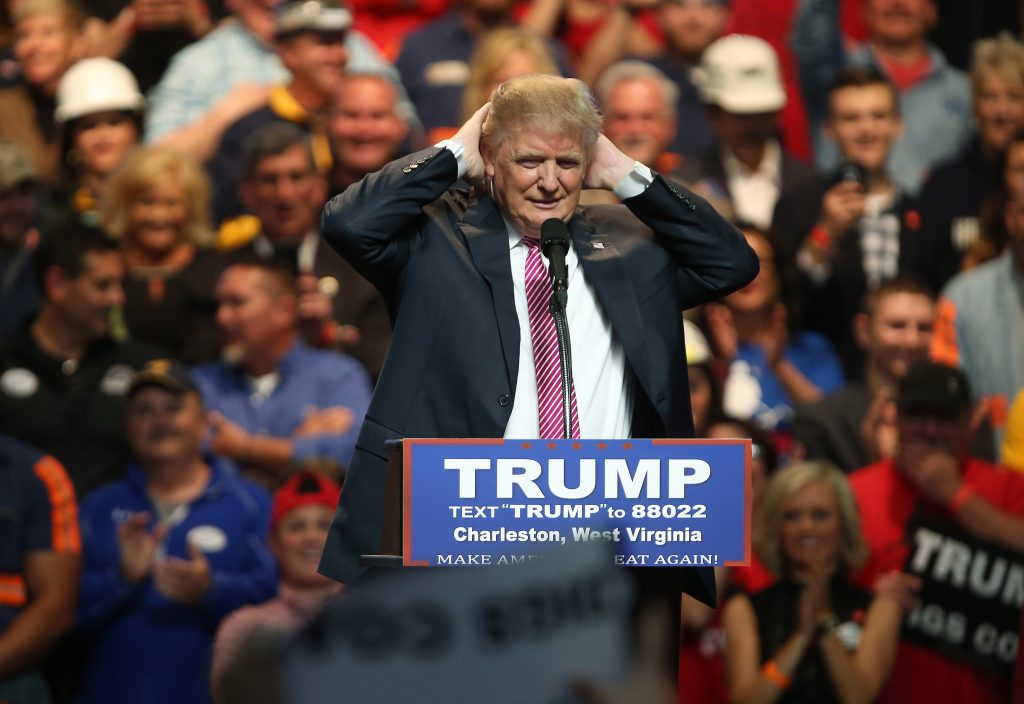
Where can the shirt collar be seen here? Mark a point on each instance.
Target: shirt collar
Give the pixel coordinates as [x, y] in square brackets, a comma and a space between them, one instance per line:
[292, 359]
[135, 477]
[514, 238]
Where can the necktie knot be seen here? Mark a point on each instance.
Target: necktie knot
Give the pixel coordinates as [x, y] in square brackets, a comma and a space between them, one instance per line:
[530, 242]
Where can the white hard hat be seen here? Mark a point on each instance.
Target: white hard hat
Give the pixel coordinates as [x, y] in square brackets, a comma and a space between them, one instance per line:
[96, 85]
[740, 74]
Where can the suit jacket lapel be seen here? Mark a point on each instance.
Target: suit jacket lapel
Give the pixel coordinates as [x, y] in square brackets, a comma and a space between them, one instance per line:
[607, 274]
[486, 238]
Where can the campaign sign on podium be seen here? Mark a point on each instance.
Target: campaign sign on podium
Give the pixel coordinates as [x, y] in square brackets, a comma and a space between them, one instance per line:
[660, 503]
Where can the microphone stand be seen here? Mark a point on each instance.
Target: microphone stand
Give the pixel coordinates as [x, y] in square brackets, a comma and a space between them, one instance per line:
[557, 308]
[554, 242]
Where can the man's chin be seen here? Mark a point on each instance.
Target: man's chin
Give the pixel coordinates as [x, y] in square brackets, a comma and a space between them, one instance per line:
[232, 354]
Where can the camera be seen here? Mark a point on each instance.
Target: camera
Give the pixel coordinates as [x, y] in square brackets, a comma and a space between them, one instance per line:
[850, 172]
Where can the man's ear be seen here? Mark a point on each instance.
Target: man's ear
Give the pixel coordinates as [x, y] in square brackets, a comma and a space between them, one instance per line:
[862, 330]
[54, 284]
[488, 158]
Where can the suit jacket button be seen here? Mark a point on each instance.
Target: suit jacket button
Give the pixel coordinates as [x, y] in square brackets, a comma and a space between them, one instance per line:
[504, 400]
[406, 170]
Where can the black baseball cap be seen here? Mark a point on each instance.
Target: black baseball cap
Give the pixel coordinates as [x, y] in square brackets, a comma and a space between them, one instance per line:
[165, 373]
[930, 387]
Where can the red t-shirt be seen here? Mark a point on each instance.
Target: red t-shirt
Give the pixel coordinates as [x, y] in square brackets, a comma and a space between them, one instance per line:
[887, 500]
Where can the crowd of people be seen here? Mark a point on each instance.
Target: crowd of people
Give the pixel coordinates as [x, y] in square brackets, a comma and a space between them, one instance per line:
[186, 363]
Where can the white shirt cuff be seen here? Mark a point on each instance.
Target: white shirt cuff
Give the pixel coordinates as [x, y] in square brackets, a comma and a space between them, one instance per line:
[458, 150]
[635, 182]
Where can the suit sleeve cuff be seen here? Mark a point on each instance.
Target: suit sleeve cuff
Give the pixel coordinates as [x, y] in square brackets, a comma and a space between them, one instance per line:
[634, 183]
[458, 150]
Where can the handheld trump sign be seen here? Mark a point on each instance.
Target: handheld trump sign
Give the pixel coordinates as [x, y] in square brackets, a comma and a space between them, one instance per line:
[971, 594]
[658, 502]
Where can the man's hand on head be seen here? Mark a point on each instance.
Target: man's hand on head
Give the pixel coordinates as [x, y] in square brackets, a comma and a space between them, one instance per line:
[469, 135]
[608, 166]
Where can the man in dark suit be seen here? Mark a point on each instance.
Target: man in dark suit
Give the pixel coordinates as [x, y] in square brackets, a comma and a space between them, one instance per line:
[450, 266]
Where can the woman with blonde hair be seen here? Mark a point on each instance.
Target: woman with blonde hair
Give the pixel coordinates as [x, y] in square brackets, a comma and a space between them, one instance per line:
[158, 207]
[503, 54]
[813, 636]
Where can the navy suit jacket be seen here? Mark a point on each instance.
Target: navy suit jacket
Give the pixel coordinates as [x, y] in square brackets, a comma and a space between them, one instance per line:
[440, 257]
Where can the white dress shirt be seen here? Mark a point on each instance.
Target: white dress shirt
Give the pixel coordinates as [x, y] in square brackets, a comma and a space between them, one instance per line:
[754, 193]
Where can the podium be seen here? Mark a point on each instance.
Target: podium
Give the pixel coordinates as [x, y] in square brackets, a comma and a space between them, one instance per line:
[661, 503]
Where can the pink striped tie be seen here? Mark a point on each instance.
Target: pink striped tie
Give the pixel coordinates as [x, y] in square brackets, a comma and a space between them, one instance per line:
[545, 347]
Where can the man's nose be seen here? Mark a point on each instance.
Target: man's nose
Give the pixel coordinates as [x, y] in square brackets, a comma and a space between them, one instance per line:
[548, 176]
[285, 189]
[117, 296]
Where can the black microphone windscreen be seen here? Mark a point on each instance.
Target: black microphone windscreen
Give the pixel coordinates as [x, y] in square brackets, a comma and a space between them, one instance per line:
[553, 233]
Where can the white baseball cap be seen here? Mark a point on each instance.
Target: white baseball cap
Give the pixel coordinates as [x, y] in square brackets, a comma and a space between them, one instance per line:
[740, 74]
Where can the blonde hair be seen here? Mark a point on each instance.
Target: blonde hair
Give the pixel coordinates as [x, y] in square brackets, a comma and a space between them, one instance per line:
[853, 551]
[148, 167]
[1002, 55]
[74, 16]
[490, 56]
[549, 104]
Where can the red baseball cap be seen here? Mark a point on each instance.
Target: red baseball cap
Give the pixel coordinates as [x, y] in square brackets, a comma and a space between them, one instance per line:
[300, 490]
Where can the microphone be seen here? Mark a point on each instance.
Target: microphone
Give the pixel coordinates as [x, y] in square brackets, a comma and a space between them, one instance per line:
[554, 242]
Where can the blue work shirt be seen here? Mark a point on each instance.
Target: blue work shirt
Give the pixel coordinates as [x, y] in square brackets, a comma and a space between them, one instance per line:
[148, 648]
[308, 379]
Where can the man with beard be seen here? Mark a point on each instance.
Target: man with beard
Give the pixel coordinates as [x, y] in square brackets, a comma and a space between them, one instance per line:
[275, 402]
